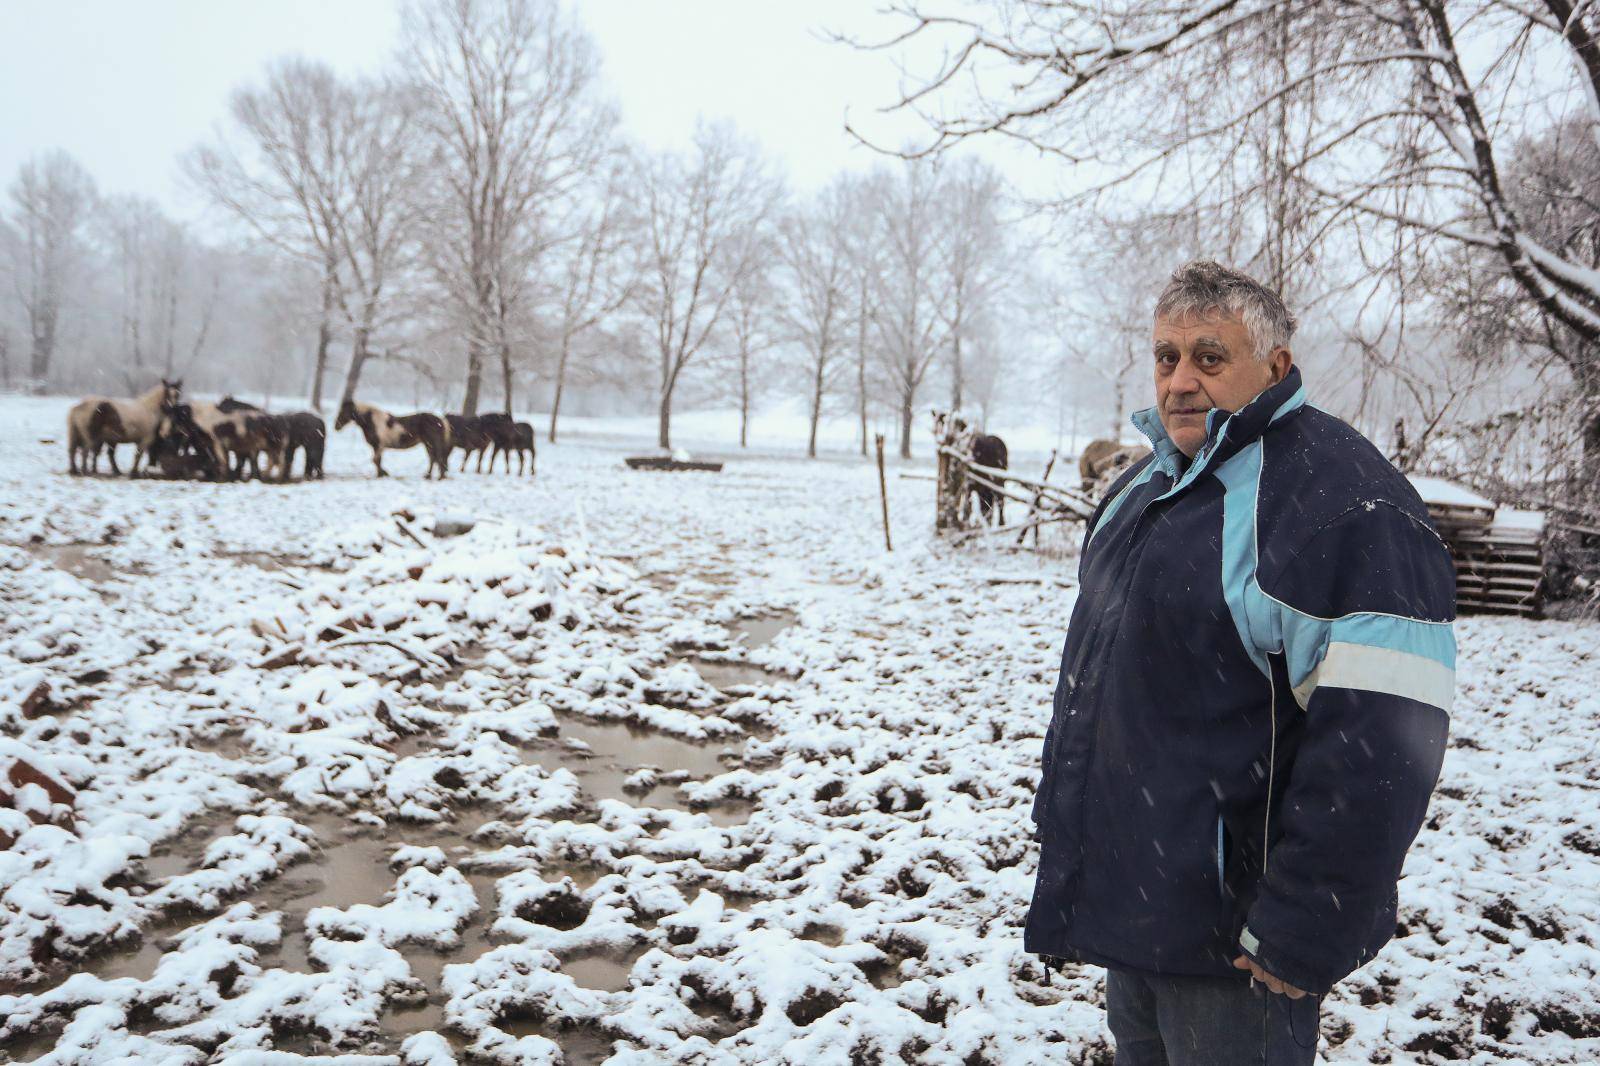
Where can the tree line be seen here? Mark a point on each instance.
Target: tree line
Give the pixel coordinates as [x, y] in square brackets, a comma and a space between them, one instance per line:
[471, 220]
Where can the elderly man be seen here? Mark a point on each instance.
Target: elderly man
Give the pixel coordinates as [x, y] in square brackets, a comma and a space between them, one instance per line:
[1252, 706]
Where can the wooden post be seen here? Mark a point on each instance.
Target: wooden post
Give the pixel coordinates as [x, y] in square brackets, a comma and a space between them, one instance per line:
[1034, 507]
[883, 494]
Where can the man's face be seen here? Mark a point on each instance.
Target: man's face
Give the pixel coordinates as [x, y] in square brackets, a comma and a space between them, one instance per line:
[1204, 362]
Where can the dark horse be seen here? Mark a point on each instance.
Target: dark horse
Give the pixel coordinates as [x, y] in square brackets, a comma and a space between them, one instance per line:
[468, 435]
[989, 450]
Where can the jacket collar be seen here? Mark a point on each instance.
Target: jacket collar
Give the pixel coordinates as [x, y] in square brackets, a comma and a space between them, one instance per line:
[1226, 433]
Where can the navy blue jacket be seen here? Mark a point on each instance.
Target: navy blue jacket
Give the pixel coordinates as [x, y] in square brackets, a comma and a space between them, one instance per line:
[1252, 707]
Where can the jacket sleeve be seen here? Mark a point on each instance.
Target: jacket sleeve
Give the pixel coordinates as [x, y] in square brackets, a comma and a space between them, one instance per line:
[1365, 609]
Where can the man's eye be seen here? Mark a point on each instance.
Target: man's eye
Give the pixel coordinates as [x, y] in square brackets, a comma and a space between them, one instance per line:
[1209, 359]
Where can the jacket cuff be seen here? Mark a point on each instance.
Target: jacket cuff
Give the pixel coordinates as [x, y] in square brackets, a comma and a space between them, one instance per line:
[1284, 965]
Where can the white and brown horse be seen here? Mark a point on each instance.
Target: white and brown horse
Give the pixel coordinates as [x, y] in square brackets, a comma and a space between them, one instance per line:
[384, 430]
[227, 432]
[98, 422]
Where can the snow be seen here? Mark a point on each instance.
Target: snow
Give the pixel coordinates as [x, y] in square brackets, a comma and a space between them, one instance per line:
[640, 768]
[1439, 492]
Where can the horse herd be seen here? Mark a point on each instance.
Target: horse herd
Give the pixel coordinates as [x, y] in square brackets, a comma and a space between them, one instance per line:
[217, 441]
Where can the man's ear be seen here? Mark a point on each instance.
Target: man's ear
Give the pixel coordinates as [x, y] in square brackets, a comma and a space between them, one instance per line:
[1280, 360]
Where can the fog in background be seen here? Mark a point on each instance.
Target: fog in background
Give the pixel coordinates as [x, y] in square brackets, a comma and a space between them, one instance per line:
[664, 212]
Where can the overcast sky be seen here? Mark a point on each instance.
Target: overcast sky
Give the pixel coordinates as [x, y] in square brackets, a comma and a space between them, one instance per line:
[127, 85]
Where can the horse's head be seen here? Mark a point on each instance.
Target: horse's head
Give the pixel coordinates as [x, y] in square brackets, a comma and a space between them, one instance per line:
[171, 391]
[347, 414]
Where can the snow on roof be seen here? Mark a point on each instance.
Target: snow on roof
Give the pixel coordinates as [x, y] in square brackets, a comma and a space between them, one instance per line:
[1512, 518]
[1439, 492]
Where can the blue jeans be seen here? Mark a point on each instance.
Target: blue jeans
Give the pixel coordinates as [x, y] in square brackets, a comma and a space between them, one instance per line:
[1207, 1021]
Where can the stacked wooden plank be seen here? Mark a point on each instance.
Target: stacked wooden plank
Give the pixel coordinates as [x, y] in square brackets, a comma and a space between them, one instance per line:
[1499, 551]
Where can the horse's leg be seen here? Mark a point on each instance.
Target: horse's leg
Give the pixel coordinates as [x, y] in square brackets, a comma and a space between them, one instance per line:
[111, 457]
[377, 460]
[138, 454]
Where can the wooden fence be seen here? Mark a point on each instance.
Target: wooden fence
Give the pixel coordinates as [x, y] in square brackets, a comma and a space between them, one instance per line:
[959, 477]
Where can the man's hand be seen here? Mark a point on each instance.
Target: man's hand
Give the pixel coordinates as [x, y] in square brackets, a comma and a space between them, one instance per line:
[1244, 962]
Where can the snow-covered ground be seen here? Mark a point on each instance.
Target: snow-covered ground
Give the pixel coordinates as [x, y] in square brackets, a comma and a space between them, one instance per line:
[642, 768]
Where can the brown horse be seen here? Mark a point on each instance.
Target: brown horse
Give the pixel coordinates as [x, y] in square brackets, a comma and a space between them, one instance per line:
[1103, 461]
[384, 430]
[98, 422]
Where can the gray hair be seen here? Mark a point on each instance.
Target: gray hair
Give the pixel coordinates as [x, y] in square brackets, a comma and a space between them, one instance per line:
[1202, 288]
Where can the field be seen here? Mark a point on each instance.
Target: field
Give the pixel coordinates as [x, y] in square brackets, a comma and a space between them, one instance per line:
[639, 768]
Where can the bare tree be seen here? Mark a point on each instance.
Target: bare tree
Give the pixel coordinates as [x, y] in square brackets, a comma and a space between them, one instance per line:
[863, 239]
[751, 327]
[909, 291]
[52, 198]
[974, 257]
[596, 270]
[167, 283]
[283, 171]
[1418, 106]
[382, 167]
[821, 276]
[704, 213]
[512, 103]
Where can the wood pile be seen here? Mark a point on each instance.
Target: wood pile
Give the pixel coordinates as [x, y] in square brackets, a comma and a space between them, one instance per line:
[1498, 551]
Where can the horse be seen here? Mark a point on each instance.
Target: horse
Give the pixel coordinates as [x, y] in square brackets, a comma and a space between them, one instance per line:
[989, 450]
[1103, 460]
[502, 434]
[304, 432]
[97, 422]
[232, 439]
[181, 448]
[524, 446]
[467, 434]
[383, 430]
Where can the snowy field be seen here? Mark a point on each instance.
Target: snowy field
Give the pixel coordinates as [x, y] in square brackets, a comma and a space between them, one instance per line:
[642, 768]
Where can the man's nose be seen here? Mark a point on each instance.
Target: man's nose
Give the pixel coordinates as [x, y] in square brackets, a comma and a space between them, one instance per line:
[1185, 378]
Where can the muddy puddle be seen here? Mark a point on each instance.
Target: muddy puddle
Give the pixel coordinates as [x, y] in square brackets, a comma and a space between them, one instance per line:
[616, 751]
[579, 1047]
[729, 676]
[76, 560]
[754, 632]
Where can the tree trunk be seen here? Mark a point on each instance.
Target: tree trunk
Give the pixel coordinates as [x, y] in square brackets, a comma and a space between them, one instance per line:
[324, 334]
[906, 402]
[358, 358]
[44, 346]
[505, 373]
[664, 437]
[744, 397]
[816, 414]
[861, 364]
[956, 382]
[469, 402]
[561, 382]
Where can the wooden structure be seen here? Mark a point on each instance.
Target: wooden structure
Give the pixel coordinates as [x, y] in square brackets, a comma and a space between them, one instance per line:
[958, 475]
[1498, 551]
[666, 462]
